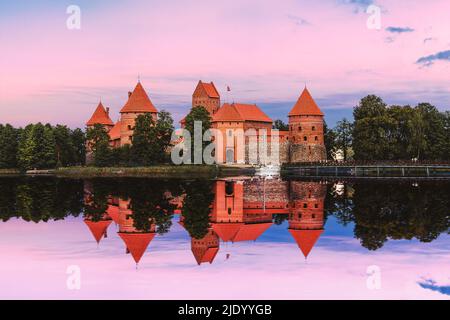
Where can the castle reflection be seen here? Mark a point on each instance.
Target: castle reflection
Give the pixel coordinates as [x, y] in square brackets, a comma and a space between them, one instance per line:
[216, 214]
[239, 209]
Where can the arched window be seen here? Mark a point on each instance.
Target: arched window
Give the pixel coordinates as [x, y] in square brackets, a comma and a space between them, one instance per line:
[305, 138]
[313, 128]
[316, 138]
[299, 128]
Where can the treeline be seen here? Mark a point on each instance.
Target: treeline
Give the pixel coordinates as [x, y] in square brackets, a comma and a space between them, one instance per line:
[381, 210]
[382, 132]
[39, 146]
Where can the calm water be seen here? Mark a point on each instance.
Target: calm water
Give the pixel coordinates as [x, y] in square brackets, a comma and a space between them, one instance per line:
[235, 238]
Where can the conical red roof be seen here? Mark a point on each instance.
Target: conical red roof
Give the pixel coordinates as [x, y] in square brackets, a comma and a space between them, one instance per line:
[98, 228]
[305, 106]
[139, 101]
[226, 231]
[137, 243]
[306, 239]
[249, 232]
[100, 116]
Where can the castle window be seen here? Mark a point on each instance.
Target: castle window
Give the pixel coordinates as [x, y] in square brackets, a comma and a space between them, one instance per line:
[129, 127]
[305, 138]
[229, 188]
[229, 211]
[299, 128]
[313, 128]
[316, 138]
[299, 215]
[316, 205]
[305, 205]
[313, 216]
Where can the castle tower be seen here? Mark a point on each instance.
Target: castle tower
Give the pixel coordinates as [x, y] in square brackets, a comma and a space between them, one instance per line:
[136, 241]
[100, 116]
[205, 95]
[227, 214]
[306, 216]
[306, 130]
[206, 248]
[138, 103]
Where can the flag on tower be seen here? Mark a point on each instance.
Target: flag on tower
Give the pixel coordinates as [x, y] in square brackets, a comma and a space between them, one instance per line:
[228, 88]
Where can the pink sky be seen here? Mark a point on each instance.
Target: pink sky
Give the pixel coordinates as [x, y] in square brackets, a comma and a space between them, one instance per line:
[265, 50]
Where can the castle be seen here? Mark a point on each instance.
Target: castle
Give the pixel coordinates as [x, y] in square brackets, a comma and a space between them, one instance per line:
[303, 142]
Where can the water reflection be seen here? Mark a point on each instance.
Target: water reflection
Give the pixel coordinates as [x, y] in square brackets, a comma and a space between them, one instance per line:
[232, 210]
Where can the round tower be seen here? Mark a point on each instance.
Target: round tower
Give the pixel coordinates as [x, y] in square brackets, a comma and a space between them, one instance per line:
[306, 130]
[138, 103]
[306, 213]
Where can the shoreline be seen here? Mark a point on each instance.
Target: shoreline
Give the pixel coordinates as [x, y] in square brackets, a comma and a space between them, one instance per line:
[215, 171]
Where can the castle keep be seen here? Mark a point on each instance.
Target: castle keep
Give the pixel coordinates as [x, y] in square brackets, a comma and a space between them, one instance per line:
[303, 142]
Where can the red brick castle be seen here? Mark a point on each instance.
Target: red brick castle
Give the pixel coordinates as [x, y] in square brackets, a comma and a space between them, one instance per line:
[303, 142]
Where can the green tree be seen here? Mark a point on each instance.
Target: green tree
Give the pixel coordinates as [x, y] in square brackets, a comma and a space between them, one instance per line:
[9, 137]
[79, 144]
[280, 125]
[37, 147]
[329, 140]
[65, 150]
[371, 120]
[143, 150]
[343, 132]
[98, 143]
[164, 128]
[198, 113]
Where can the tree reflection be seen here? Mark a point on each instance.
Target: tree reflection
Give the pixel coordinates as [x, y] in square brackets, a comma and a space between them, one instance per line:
[383, 210]
[197, 207]
[40, 199]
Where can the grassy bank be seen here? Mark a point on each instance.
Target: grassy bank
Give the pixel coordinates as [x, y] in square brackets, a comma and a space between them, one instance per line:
[9, 172]
[160, 171]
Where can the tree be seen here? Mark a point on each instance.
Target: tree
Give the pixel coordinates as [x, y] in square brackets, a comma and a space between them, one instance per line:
[37, 147]
[79, 144]
[343, 132]
[198, 113]
[143, 151]
[8, 146]
[280, 125]
[370, 140]
[98, 143]
[164, 128]
[329, 140]
[65, 150]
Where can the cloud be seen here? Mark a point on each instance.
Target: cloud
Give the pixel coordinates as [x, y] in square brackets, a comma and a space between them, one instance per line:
[429, 60]
[298, 20]
[432, 285]
[428, 39]
[358, 5]
[399, 29]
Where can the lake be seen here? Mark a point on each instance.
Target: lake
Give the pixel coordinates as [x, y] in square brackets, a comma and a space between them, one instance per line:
[231, 238]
